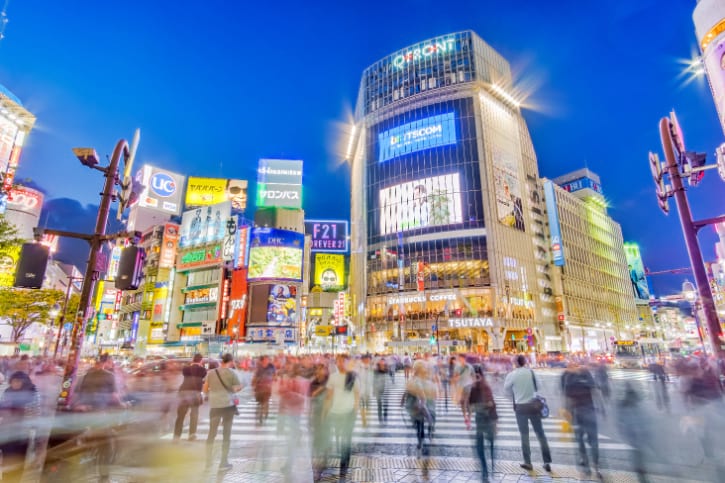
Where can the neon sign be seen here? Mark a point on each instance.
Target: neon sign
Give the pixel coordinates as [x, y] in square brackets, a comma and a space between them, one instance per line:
[426, 133]
[424, 51]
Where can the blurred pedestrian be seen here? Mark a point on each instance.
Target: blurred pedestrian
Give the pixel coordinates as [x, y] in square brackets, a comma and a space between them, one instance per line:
[660, 379]
[19, 403]
[578, 387]
[407, 365]
[422, 394]
[634, 427]
[262, 385]
[365, 374]
[379, 385]
[318, 426]
[463, 379]
[293, 390]
[190, 397]
[221, 385]
[484, 408]
[520, 384]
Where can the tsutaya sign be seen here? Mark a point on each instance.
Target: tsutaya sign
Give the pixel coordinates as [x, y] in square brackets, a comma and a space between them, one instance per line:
[420, 298]
[470, 322]
[424, 51]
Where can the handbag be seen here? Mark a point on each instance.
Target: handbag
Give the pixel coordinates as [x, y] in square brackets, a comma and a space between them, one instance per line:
[539, 402]
[233, 399]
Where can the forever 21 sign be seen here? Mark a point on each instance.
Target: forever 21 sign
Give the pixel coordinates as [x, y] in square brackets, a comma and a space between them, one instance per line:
[328, 235]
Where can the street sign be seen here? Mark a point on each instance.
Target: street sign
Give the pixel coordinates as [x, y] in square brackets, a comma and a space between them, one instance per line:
[323, 330]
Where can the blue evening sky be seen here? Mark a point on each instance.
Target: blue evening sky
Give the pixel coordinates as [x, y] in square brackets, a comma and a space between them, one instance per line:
[216, 85]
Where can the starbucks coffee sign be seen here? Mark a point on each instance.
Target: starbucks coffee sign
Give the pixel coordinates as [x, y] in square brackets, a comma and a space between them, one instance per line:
[470, 322]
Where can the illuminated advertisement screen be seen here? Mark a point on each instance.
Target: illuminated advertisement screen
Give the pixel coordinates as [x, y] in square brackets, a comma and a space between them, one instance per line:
[330, 271]
[279, 183]
[211, 191]
[282, 305]
[162, 189]
[582, 183]
[552, 210]
[205, 225]
[275, 254]
[640, 287]
[27, 200]
[422, 203]
[426, 133]
[328, 235]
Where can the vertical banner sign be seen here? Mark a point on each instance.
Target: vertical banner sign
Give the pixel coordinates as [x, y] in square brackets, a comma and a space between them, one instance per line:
[420, 277]
[169, 244]
[230, 250]
[557, 248]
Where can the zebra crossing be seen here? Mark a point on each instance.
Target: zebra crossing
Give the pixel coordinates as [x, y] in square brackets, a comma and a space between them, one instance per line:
[450, 429]
[615, 374]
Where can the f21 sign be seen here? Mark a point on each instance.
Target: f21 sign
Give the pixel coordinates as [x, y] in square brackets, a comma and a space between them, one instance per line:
[328, 235]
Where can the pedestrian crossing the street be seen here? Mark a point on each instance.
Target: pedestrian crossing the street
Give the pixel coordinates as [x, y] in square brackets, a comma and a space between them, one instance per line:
[615, 374]
[450, 429]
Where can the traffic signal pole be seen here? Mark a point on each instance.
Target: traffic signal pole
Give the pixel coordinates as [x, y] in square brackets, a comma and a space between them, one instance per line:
[91, 276]
[689, 231]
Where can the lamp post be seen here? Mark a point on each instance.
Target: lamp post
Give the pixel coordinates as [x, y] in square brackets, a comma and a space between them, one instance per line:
[688, 291]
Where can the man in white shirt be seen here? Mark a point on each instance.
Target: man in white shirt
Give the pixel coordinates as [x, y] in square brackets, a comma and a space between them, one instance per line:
[521, 385]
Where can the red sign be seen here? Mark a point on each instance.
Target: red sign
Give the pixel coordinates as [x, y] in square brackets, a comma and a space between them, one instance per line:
[169, 244]
[421, 277]
[238, 304]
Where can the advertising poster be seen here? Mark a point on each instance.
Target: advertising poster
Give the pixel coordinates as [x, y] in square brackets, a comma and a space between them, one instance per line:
[282, 305]
[328, 235]
[212, 191]
[330, 272]
[162, 189]
[8, 265]
[27, 200]
[422, 203]
[8, 130]
[275, 254]
[204, 225]
[279, 183]
[552, 210]
[169, 243]
[637, 275]
[200, 256]
[426, 133]
[113, 262]
[237, 304]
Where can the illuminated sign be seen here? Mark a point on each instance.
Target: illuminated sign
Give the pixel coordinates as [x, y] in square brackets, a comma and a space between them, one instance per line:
[640, 287]
[557, 249]
[582, 183]
[169, 243]
[279, 183]
[113, 262]
[27, 200]
[330, 271]
[420, 298]
[470, 322]
[328, 235]
[161, 189]
[422, 203]
[211, 191]
[425, 133]
[424, 51]
[203, 256]
[9, 265]
[205, 225]
[202, 295]
[237, 304]
[8, 132]
[275, 254]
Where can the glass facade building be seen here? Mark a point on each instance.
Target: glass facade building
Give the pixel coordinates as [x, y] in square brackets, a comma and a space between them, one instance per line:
[444, 179]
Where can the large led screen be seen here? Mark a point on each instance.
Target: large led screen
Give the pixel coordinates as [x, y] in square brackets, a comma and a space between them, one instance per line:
[282, 305]
[205, 225]
[275, 255]
[426, 133]
[422, 203]
[330, 272]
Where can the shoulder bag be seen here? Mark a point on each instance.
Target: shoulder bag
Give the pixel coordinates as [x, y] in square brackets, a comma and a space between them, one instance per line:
[233, 399]
[539, 402]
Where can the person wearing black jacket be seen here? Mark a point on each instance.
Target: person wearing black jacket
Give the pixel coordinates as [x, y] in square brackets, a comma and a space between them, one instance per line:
[578, 386]
[190, 397]
[484, 408]
[18, 400]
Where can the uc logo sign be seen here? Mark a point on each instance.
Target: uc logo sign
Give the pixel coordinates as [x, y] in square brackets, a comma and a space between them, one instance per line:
[163, 185]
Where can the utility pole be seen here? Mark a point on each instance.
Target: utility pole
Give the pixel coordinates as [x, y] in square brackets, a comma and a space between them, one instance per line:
[692, 165]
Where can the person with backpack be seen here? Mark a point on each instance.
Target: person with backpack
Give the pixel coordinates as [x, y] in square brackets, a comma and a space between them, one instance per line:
[484, 408]
[520, 385]
[578, 386]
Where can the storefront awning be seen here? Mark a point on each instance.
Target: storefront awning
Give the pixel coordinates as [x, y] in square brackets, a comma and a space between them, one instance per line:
[196, 306]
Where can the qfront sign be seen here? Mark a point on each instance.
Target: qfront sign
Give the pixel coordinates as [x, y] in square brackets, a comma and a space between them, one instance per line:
[424, 51]
[472, 322]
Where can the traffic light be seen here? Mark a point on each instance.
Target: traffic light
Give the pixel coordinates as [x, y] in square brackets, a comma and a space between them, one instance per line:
[32, 263]
[661, 190]
[130, 268]
[432, 340]
[691, 162]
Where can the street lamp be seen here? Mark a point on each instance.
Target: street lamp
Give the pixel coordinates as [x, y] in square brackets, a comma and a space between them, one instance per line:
[690, 294]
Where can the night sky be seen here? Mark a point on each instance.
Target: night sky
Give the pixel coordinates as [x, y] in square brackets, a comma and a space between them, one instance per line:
[216, 85]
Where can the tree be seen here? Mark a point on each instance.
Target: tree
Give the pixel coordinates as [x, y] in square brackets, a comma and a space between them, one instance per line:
[22, 307]
[8, 234]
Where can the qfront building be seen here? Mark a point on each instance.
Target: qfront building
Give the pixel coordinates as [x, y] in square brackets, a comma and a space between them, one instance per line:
[448, 220]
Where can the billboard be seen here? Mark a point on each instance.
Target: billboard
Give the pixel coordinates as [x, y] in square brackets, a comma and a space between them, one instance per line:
[282, 305]
[423, 203]
[8, 132]
[205, 225]
[237, 304]
[552, 210]
[279, 183]
[330, 271]
[328, 235]
[26, 200]
[275, 254]
[162, 189]
[640, 287]
[9, 265]
[200, 256]
[582, 183]
[211, 191]
[169, 244]
[425, 133]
